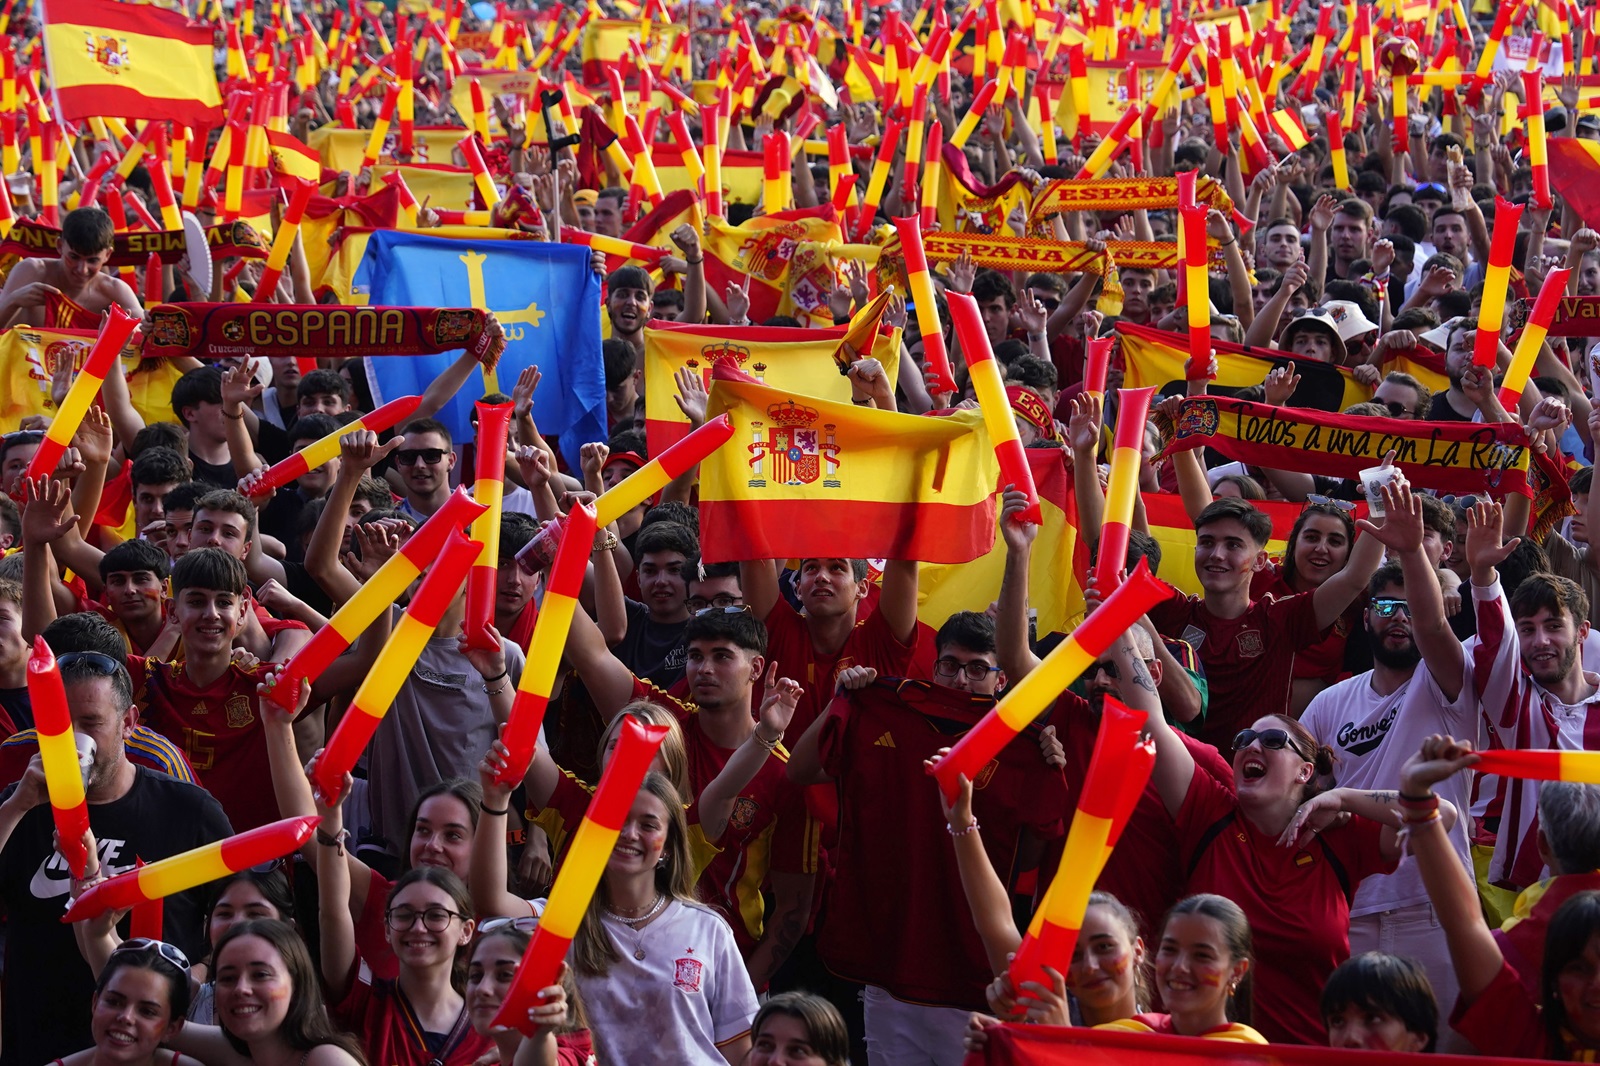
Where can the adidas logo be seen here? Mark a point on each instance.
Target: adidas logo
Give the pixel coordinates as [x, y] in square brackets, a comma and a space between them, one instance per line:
[885, 741]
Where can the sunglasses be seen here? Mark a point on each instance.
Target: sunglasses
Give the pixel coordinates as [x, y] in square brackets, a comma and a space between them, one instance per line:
[409, 456]
[102, 663]
[1396, 408]
[975, 670]
[1388, 608]
[1314, 500]
[732, 608]
[1049, 305]
[143, 944]
[526, 924]
[1109, 668]
[1271, 740]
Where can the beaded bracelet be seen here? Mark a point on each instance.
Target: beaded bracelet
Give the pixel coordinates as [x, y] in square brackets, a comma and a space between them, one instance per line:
[972, 827]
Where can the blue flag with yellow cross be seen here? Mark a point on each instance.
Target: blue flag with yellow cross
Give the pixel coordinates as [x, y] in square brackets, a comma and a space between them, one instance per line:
[548, 301]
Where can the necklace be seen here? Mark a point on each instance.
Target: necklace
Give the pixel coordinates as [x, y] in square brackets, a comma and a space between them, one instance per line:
[633, 924]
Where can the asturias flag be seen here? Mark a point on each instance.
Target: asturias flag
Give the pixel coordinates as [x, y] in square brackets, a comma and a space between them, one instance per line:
[544, 295]
[130, 60]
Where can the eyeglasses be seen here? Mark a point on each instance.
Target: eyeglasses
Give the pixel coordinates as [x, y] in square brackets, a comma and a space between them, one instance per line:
[526, 924]
[434, 919]
[696, 604]
[1109, 668]
[976, 670]
[717, 608]
[1387, 608]
[409, 456]
[139, 944]
[102, 663]
[1271, 739]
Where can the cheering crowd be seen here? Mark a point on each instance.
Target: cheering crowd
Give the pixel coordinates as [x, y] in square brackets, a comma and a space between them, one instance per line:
[1314, 860]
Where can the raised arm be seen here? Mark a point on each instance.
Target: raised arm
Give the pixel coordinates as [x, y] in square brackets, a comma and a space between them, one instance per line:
[986, 893]
[609, 682]
[358, 453]
[1174, 767]
[338, 929]
[1402, 532]
[777, 710]
[487, 875]
[1011, 621]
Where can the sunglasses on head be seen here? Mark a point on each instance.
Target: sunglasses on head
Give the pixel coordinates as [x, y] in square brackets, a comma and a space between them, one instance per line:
[143, 944]
[1386, 607]
[409, 456]
[526, 924]
[732, 608]
[103, 664]
[1271, 740]
[1313, 499]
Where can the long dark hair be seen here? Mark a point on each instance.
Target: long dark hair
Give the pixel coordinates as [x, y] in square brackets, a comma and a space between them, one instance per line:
[158, 964]
[1236, 931]
[1576, 922]
[1315, 510]
[272, 884]
[470, 793]
[306, 1025]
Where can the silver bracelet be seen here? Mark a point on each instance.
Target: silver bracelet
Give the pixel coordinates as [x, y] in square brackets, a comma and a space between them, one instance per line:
[972, 827]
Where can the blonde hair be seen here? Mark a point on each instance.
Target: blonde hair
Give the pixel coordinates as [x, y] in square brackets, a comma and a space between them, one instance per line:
[674, 752]
[592, 950]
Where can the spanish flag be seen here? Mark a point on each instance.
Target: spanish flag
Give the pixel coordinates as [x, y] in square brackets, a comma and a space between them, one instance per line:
[292, 159]
[800, 360]
[1060, 558]
[787, 259]
[129, 60]
[606, 43]
[802, 473]
[28, 356]
[342, 149]
[1575, 175]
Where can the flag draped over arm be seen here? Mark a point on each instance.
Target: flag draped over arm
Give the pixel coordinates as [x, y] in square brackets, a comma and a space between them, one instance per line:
[129, 60]
[546, 298]
[802, 475]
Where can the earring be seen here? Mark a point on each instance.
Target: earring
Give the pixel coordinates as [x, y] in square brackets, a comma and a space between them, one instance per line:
[661, 862]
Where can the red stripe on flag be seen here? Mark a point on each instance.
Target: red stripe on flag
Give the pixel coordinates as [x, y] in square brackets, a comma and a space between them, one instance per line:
[143, 19]
[731, 530]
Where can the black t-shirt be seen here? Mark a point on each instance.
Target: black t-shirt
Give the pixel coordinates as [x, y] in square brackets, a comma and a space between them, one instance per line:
[48, 985]
[1441, 411]
[219, 474]
[303, 586]
[280, 517]
[654, 651]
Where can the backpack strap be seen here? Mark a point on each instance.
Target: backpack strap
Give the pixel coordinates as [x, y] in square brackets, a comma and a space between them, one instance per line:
[1338, 870]
[1214, 830]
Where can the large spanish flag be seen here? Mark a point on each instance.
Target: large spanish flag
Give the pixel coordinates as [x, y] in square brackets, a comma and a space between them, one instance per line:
[1060, 559]
[28, 356]
[799, 360]
[130, 60]
[802, 475]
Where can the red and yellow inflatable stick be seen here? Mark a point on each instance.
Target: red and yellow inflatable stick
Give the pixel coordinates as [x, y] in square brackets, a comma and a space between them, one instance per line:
[283, 241]
[879, 178]
[1492, 310]
[101, 360]
[1118, 771]
[480, 170]
[991, 390]
[775, 172]
[654, 476]
[1133, 408]
[1538, 153]
[1579, 767]
[969, 122]
[202, 865]
[711, 153]
[580, 871]
[1097, 363]
[393, 665]
[1030, 696]
[920, 282]
[1197, 291]
[422, 549]
[1533, 334]
[932, 175]
[1164, 86]
[549, 637]
[326, 450]
[380, 127]
[494, 426]
[1336, 150]
[58, 750]
[1100, 160]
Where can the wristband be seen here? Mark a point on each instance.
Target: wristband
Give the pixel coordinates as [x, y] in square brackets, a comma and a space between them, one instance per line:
[335, 841]
[1417, 800]
[486, 809]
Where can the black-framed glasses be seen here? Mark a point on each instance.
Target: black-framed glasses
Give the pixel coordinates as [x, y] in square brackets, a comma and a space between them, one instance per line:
[144, 944]
[696, 604]
[102, 663]
[525, 924]
[1387, 607]
[976, 669]
[718, 608]
[409, 456]
[1271, 739]
[434, 919]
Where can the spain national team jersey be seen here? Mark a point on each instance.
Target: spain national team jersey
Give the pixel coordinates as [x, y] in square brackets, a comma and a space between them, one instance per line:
[219, 729]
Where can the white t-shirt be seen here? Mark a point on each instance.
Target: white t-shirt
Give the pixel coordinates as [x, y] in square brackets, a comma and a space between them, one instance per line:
[1372, 736]
[688, 994]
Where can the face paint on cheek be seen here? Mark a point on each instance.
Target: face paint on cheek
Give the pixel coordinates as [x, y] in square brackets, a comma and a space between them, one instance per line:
[1115, 966]
[1211, 980]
